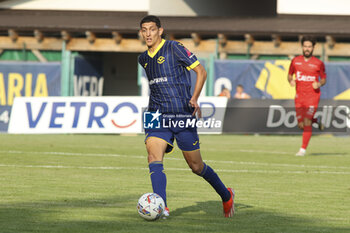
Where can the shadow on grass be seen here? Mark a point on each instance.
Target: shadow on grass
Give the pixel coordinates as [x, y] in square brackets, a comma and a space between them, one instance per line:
[209, 207]
[327, 154]
[118, 214]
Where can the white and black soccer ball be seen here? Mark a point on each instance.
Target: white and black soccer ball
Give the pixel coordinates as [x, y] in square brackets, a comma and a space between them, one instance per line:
[150, 206]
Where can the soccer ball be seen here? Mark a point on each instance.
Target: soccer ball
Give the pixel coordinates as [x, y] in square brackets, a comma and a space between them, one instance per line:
[150, 206]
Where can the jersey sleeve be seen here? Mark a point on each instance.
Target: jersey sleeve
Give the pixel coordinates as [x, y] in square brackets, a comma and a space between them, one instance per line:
[184, 56]
[141, 60]
[322, 71]
[291, 68]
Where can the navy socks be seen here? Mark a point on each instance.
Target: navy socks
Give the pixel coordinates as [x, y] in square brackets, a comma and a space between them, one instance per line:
[158, 179]
[213, 179]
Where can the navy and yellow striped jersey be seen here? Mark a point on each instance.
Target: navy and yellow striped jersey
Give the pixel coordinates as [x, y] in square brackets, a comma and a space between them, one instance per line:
[168, 73]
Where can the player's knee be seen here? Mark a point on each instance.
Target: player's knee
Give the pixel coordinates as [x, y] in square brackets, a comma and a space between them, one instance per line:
[196, 168]
[153, 157]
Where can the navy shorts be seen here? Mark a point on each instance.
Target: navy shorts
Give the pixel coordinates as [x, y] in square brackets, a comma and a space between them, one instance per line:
[187, 139]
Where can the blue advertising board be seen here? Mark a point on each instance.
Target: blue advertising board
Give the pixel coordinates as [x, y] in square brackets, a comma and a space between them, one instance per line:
[26, 79]
[268, 79]
[88, 76]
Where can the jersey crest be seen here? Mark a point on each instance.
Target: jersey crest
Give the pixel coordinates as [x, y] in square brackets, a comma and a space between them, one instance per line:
[161, 59]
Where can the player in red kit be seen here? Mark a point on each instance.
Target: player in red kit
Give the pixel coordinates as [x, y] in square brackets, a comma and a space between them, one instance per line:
[310, 75]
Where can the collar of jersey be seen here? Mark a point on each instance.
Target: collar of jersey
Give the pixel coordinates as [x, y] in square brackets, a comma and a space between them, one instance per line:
[157, 49]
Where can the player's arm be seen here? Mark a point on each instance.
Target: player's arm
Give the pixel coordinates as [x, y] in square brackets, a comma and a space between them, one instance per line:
[322, 82]
[140, 60]
[290, 74]
[189, 60]
[291, 80]
[201, 77]
[319, 84]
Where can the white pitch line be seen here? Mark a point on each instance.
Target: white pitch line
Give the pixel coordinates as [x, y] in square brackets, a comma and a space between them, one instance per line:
[69, 167]
[73, 154]
[277, 164]
[168, 157]
[253, 151]
[173, 169]
[266, 152]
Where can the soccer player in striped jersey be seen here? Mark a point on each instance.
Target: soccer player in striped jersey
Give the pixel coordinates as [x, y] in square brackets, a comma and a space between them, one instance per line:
[310, 75]
[167, 64]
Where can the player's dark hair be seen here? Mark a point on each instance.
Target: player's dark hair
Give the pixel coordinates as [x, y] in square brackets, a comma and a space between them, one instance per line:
[240, 85]
[151, 18]
[308, 38]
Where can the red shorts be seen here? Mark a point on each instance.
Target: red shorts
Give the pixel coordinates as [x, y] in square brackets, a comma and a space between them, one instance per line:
[306, 107]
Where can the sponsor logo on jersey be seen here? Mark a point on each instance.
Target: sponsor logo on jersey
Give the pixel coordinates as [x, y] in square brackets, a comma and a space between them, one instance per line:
[158, 80]
[306, 78]
[187, 51]
[189, 54]
[313, 65]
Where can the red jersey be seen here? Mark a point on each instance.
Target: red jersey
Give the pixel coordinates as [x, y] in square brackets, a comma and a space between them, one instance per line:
[306, 72]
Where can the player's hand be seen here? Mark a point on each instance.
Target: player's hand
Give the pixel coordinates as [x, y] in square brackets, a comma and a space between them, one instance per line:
[316, 85]
[193, 103]
[292, 83]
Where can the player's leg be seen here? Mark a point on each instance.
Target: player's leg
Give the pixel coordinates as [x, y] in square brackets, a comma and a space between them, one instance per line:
[307, 133]
[158, 143]
[188, 142]
[317, 120]
[195, 162]
[311, 110]
[156, 148]
[299, 114]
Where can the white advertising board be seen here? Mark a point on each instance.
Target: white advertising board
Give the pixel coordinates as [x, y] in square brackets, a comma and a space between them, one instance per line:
[54, 115]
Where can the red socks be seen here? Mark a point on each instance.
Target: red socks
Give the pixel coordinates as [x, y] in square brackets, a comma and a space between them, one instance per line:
[306, 136]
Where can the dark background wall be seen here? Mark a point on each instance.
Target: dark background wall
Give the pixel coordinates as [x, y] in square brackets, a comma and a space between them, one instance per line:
[120, 74]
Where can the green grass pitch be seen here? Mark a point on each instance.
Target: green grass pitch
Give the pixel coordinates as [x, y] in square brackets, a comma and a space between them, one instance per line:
[91, 183]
